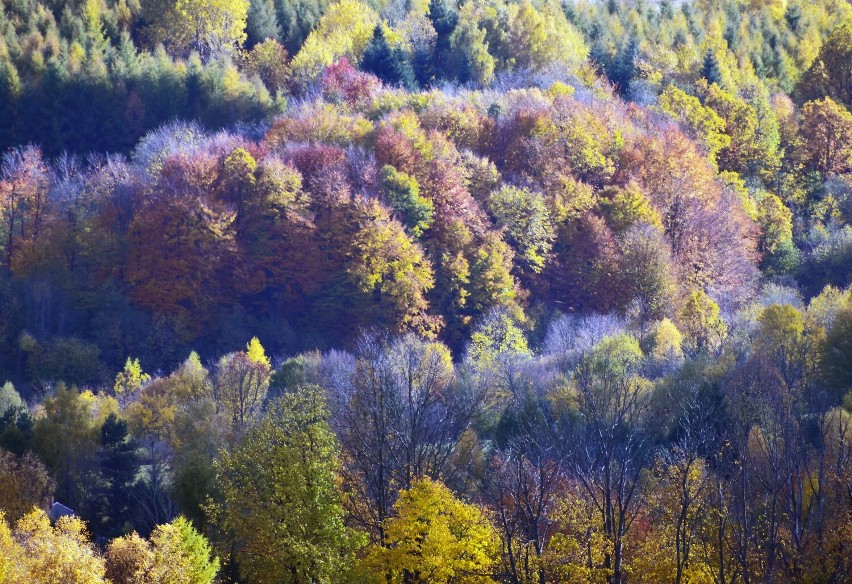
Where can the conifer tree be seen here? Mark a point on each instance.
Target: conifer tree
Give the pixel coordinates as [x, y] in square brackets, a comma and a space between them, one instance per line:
[711, 69]
[390, 64]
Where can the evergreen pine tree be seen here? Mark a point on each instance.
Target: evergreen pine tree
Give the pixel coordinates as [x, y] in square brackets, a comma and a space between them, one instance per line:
[623, 68]
[390, 64]
[444, 20]
[117, 464]
[10, 93]
[261, 23]
[711, 70]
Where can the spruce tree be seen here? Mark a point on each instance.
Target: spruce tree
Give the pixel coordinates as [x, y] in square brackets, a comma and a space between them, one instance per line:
[117, 463]
[623, 68]
[711, 70]
[390, 64]
[444, 20]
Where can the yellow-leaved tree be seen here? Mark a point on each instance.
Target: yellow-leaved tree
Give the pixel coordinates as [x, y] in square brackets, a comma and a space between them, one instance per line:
[131, 379]
[60, 553]
[434, 537]
[343, 32]
[10, 555]
[209, 27]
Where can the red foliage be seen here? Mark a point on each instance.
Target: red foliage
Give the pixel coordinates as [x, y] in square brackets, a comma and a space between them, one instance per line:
[393, 148]
[343, 83]
[712, 239]
[517, 148]
[444, 184]
[316, 161]
[583, 271]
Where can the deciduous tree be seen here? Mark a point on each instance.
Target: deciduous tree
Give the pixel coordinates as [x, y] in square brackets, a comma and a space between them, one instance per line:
[281, 497]
[827, 133]
[435, 537]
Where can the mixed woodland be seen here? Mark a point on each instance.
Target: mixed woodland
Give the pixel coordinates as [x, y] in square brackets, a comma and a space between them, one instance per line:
[414, 291]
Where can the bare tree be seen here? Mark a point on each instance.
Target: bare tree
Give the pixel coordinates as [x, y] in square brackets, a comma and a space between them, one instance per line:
[612, 447]
[400, 415]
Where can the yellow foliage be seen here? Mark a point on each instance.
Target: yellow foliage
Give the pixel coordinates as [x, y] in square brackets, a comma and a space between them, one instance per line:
[629, 205]
[436, 538]
[701, 121]
[667, 341]
[256, 353]
[207, 26]
[129, 560]
[678, 491]
[578, 549]
[701, 322]
[389, 263]
[131, 378]
[11, 555]
[559, 89]
[61, 553]
[323, 123]
[570, 199]
[344, 31]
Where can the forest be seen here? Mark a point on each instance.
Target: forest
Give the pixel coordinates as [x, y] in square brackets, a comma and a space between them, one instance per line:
[425, 291]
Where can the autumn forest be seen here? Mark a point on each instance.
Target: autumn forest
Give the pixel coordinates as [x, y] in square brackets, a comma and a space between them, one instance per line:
[425, 291]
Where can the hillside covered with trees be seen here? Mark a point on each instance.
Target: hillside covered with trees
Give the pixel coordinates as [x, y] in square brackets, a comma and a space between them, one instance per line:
[409, 291]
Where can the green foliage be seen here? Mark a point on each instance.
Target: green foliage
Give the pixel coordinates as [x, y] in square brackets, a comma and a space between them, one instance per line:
[175, 552]
[776, 220]
[391, 267]
[837, 354]
[388, 63]
[614, 358]
[24, 484]
[268, 60]
[646, 270]
[65, 359]
[281, 499]
[830, 73]
[667, 342]
[67, 436]
[526, 219]
[471, 59]
[711, 69]
[701, 322]
[627, 206]
[752, 127]
[111, 501]
[261, 22]
[182, 555]
[827, 134]
[498, 334]
[541, 39]
[403, 193]
[10, 399]
[563, 207]
[702, 122]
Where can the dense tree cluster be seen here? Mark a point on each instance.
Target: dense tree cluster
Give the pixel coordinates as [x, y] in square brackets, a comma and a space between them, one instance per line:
[417, 212]
[542, 291]
[38, 552]
[86, 75]
[716, 450]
